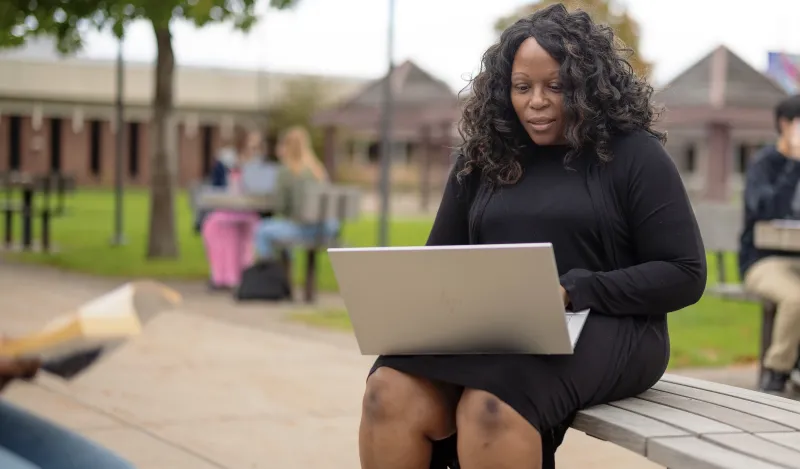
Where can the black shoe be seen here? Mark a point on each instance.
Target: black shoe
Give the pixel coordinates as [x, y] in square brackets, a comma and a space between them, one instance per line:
[773, 382]
[794, 380]
[794, 376]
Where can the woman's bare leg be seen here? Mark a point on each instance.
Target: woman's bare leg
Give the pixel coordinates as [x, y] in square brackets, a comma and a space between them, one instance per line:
[401, 416]
[493, 435]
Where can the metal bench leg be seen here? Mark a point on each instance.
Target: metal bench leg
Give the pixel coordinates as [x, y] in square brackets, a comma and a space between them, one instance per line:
[768, 310]
[27, 218]
[311, 276]
[45, 230]
[9, 235]
[286, 262]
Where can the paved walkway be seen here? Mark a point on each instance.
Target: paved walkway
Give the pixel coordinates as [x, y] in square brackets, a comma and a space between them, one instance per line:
[219, 385]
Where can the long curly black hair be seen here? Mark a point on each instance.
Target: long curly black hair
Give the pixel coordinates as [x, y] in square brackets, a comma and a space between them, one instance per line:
[602, 94]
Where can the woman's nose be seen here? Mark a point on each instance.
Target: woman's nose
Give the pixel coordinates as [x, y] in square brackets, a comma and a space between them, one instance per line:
[538, 100]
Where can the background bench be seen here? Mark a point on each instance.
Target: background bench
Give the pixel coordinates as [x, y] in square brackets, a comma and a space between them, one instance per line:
[721, 226]
[685, 423]
[316, 204]
[26, 196]
[319, 203]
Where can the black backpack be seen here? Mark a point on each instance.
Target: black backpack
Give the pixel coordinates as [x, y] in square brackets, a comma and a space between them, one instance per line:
[264, 281]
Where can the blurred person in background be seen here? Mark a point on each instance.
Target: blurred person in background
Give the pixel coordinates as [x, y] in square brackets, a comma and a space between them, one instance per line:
[217, 178]
[228, 234]
[772, 192]
[227, 160]
[30, 442]
[299, 166]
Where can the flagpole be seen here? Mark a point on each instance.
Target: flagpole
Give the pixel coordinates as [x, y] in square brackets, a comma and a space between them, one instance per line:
[386, 134]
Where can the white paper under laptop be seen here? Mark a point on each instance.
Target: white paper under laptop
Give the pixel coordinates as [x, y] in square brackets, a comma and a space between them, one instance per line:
[575, 322]
[475, 299]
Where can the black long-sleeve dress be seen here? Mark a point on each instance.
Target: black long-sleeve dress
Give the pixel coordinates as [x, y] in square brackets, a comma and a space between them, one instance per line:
[627, 246]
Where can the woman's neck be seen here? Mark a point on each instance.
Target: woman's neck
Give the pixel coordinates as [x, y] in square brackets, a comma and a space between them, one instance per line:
[296, 167]
[783, 146]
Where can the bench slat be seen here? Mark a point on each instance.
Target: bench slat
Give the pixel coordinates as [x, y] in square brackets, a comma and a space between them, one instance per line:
[692, 423]
[759, 448]
[732, 291]
[694, 453]
[624, 428]
[308, 244]
[788, 439]
[742, 404]
[740, 420]
[760, 397]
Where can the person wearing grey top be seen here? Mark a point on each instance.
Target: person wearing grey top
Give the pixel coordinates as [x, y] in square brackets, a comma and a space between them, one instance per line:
[300, 166]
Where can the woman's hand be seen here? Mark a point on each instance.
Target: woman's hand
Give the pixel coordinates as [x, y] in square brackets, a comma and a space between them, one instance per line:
[564, 296]
[17, 368]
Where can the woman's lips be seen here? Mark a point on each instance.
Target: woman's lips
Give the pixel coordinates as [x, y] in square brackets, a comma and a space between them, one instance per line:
[540, 125]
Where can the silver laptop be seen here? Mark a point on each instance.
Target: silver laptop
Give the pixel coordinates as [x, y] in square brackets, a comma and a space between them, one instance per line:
[259, 177]
[456, 299]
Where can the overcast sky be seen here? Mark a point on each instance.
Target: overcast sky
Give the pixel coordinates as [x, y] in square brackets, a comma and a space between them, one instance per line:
[447, 37]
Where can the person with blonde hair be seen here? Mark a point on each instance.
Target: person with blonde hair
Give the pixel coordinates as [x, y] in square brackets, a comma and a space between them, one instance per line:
[300, 166]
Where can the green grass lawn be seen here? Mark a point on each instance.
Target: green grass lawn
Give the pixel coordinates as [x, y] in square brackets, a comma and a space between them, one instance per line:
[710, 333]
[83, 236]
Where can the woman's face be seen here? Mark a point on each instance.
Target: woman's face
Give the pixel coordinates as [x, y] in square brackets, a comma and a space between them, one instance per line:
[252, 145]
[284, 149]
[536, 94]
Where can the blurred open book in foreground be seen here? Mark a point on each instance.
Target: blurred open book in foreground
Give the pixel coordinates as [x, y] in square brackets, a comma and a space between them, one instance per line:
[70, 343]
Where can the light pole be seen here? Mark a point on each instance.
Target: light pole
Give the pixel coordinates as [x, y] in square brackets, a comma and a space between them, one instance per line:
[119, 238]
[386, 134]
[262, 85]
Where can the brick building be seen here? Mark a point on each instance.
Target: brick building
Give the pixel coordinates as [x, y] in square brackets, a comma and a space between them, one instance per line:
[57, 114]
[719, 113]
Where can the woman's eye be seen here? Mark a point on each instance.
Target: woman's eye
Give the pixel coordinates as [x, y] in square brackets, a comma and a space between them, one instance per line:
[522, 88]
[555, 87]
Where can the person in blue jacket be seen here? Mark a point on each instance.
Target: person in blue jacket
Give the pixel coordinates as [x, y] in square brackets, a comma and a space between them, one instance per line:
[228, 234]
[218, 178]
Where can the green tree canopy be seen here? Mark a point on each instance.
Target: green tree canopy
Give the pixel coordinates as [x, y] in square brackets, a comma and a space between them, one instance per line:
[602, 11]
[299, 101]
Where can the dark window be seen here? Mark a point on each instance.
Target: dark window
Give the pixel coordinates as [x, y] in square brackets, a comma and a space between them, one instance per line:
[207, 156]
[133, 149]
[14, 139]
[691, 158]
[742, 157]
[272, 145]
[94, 147]
[374, 152]
[55, 145]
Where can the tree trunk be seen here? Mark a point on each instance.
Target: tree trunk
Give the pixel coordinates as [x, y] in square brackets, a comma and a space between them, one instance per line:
[162, 241]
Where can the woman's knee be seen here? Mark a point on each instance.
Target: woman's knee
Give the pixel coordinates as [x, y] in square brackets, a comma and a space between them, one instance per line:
[264, 229]
[273, 230]
[395, 396]
[485, 413]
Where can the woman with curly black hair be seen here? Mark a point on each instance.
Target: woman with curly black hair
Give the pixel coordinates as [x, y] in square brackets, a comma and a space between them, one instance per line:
[559, 147]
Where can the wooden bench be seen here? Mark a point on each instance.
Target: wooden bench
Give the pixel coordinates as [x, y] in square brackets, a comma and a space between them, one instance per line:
[19, 199]
[685, 423]
[319, 203]
[721, 226]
